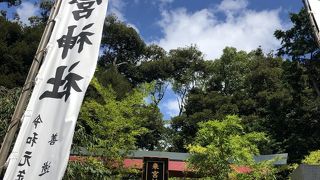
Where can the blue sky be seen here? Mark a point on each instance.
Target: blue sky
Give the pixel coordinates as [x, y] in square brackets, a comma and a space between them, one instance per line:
[210, 24]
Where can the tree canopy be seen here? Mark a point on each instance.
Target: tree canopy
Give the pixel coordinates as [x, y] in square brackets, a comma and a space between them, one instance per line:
[221, 144]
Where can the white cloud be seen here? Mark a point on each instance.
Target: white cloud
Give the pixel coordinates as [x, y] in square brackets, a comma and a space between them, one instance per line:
[162, 4]
[166, 1]
[170, 107]
[242, 28]
[232, 5]
[116, 7]
[26, 10]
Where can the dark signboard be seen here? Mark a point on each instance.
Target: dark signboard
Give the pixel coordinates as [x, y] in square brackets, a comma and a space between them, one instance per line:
[155, 168]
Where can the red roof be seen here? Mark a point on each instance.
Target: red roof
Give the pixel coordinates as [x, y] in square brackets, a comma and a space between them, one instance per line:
[241, 169]
[180, 166]
[133, 163]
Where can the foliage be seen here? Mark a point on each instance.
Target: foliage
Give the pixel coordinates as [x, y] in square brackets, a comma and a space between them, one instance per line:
[18, 45]
[90, 168]
[188, 71]
[8, 101]
[112, 128]
[262, 171]
[111, 124]
[45, 7]
[120, 84]
[150, 119]
[122, 47]
[299, 44]
[298, 40]
[127, 62]
[221, 143]
[302, 74]
[313, 158]
[229, 90]
[270, 95]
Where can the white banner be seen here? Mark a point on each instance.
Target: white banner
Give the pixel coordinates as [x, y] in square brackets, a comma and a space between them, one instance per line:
[43, 145]
[314, 7]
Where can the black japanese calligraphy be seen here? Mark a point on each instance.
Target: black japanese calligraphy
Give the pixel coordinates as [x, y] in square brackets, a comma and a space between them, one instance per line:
[68, 41]
[32, 140]
[70, 81]
[37, 121]
[85, 8]
[27, 156]
[45, 168]
[21, 174]
[155, 172]
[53, 139]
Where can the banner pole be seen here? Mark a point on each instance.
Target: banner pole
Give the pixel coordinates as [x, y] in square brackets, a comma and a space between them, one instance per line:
[27, 87]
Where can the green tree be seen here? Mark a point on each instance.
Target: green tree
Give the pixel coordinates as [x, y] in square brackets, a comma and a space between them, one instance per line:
[87, 168]
[218, 144]
[18, 45]
[157, 67]
[8, 101]
[122, 48]
[112, 124]
[150, 118]
[126, 61]
[268, 100]
[110, 128]
[188, 64]
[228, 71]
[299, 43]
[221, 93]
[298, 40]
[110, 76]
[302, 76]
[269, 94]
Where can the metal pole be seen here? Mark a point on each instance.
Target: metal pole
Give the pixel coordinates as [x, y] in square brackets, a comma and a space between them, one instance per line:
[26, 90]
